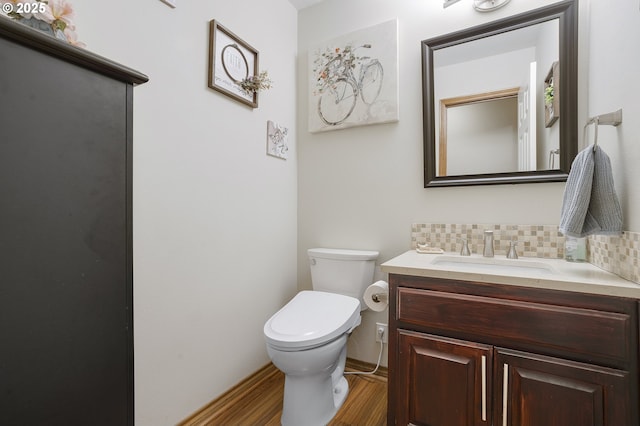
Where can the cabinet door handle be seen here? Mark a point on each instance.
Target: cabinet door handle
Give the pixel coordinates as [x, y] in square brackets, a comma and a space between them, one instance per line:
[484, 388]
[505, 394]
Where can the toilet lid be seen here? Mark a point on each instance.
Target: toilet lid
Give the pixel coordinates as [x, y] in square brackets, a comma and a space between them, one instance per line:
[311, 319]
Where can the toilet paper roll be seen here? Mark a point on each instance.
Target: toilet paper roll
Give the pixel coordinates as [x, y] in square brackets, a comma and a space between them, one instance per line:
[376, 296]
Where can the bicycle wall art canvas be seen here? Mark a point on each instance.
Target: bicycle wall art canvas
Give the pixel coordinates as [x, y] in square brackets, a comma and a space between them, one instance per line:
[354, 79]
[231, 61]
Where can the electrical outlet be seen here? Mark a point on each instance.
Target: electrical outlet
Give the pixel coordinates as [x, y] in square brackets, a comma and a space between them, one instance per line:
[382, 331]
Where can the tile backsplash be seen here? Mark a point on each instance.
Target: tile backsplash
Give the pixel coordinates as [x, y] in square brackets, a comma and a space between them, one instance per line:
[617, 254]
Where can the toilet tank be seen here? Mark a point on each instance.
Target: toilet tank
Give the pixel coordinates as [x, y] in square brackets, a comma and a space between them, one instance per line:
[342, 271]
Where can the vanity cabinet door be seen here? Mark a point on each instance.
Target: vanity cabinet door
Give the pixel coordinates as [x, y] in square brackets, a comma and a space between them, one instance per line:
[442, 381]
[536, 390]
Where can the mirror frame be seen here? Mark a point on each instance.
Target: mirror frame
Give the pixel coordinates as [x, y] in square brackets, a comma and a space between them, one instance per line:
[567, 14]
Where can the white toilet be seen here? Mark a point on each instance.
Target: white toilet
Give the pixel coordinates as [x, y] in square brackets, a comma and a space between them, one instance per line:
[307, 338]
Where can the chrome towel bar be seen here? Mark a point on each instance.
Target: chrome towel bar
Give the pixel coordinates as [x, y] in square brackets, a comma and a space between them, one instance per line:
[609, 119]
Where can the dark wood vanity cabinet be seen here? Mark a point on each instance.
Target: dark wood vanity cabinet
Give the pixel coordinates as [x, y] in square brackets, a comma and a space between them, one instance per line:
[468, 353]
[442, 381]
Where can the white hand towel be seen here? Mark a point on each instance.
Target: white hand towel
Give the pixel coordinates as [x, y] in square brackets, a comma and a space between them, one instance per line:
[590, 204]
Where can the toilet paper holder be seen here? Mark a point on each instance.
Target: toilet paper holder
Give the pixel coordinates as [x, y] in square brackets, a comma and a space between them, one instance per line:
[376, 296]
[380, 297]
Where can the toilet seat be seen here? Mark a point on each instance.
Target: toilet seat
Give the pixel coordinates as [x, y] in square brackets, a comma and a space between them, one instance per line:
[311, 319]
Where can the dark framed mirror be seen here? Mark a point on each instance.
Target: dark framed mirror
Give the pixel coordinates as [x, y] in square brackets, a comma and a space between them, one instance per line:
[500, 100]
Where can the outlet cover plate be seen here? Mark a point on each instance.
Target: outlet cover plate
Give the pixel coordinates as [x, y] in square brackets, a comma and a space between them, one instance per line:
[385, 336]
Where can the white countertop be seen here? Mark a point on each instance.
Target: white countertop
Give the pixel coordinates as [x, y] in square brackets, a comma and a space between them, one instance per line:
[556, 274]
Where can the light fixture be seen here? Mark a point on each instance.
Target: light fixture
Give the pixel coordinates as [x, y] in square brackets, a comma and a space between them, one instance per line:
[448, 3]
[488, 5]
[481, 5]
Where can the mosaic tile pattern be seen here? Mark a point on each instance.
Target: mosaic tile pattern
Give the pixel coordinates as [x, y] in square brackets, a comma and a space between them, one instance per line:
[533, 240]
[617, 254]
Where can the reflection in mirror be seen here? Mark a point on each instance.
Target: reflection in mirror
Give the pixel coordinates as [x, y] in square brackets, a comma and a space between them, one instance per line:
[520, 58]
[480, 127]
[495, 108]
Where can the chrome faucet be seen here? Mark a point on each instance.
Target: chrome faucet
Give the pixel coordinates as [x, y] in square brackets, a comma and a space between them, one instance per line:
[488, 244]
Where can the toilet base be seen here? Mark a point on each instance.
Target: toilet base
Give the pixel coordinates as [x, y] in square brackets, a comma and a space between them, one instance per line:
[312, 398]
[312, 401]
[340, 392]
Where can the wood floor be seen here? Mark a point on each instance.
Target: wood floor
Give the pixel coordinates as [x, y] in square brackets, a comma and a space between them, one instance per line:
[257, 401]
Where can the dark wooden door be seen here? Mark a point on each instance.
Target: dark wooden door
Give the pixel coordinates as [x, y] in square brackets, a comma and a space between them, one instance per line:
[66, 354]
[442, 381]
[545, 391]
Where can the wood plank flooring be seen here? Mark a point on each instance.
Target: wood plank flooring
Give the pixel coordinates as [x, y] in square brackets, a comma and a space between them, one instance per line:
[257, 401]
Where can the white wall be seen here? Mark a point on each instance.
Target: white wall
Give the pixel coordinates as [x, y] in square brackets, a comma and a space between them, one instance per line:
[214, 216]
[363, 187]
[614, 61]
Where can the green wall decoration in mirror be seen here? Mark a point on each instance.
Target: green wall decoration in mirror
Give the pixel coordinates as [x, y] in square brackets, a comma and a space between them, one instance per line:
[465, 69]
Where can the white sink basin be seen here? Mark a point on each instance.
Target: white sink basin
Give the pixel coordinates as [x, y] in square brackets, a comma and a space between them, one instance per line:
[495, 265]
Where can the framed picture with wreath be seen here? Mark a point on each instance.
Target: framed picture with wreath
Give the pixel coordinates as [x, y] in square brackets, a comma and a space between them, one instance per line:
[232, 62]
[552, 95]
